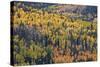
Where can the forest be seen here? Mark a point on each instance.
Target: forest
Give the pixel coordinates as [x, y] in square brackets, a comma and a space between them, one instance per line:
[46, 34]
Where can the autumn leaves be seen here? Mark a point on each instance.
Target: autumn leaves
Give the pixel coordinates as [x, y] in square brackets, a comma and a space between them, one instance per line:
[41, 37]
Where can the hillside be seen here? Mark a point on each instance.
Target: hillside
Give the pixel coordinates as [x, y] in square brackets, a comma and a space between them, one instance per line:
[53, 34]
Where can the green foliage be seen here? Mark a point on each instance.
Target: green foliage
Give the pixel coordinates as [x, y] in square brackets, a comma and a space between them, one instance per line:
[41, 37]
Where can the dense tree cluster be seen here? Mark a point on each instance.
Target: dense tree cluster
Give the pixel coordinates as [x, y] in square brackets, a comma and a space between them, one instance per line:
[42, 37]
